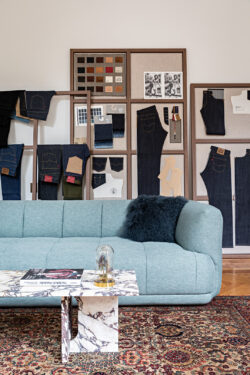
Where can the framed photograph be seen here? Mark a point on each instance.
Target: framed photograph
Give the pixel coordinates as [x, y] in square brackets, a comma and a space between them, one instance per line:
[173, 85]
[153, 85]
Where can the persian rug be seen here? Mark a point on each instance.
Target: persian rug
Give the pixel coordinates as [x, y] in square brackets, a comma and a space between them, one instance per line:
[173, 340]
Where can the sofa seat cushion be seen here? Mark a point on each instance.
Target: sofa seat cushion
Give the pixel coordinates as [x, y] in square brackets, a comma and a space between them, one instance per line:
[25, 253]
[173, 270]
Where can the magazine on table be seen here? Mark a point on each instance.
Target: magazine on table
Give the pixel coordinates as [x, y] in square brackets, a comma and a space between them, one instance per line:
[49, 277]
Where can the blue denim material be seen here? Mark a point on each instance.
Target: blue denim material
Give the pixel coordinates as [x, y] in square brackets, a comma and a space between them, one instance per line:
[8, 101]
[35, 104]
[49, 168]
[217, 178]
[212, 112]
[150, 140]
[103, 136]
[10, 158]
[242, 200]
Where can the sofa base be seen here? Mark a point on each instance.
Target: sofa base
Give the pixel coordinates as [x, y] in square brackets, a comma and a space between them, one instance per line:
[188, 299]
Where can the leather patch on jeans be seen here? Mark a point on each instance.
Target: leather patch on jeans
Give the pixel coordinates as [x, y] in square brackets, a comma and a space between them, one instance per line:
[220, 151]
[74, 165]
[5, 171]
[48, 178]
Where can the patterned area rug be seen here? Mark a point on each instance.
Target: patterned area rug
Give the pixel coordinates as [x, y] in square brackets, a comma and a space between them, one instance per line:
[197, 340]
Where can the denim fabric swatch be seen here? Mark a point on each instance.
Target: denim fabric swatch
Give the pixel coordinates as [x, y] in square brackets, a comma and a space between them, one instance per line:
[103, 136]
[116, 164]
[99, 164]
[118, 124]
[98, 179]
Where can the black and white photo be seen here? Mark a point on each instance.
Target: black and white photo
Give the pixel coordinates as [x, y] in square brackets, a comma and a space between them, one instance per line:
[173, 85]
[153, 85]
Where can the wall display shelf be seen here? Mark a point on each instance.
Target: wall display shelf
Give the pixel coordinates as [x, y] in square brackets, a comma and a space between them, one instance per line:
[125, 81]
[228, 105]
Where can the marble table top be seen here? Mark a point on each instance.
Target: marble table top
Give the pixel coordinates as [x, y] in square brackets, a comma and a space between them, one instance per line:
[125, 285]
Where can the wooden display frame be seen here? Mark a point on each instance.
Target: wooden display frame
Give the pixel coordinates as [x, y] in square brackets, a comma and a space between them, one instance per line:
[214, 140]
[128, 100]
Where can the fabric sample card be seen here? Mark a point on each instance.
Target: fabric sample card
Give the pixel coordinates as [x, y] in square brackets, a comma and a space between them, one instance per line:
[111, 189]
[98, 179]
[175, 131]
[118, 121]
[103, 132]
[99, 163]
[116, 164]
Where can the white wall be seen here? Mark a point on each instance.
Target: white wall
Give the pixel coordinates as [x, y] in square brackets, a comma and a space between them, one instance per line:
[36, 36]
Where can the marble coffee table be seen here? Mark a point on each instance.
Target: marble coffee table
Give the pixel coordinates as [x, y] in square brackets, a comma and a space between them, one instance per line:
[97, 308]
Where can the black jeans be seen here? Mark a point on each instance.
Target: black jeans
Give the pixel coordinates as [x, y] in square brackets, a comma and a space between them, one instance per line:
[10, 168]
[217, 178]
[35, 104]
[99, 164]
[8, 100]
[49, 170]
[242, 200]
[212, 112]
[150, 140]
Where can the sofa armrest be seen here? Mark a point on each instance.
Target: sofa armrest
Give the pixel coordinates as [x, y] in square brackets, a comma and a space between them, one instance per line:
[199, 229]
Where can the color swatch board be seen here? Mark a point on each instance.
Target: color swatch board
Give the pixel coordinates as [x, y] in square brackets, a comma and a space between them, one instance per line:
[102, 74]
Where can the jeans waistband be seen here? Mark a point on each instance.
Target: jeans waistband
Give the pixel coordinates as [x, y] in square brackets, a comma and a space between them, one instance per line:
[146, 112]
[218, 151]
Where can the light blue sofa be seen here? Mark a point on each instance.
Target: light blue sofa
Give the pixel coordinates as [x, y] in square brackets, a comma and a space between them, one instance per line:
[55, 234]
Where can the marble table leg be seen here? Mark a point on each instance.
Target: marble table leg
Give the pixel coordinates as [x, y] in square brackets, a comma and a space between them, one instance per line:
[66, 321]
[97, 325]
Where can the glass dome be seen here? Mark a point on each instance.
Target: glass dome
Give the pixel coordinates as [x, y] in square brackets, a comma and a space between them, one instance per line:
[104, 264]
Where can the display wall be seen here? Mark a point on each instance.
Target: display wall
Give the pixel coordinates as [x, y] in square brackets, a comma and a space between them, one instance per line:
[207, 35]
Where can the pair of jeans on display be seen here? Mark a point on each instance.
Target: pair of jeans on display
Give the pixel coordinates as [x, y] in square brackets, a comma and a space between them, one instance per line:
[10, 168]
[217, 179]
[8, 100]
[116, 163]
[212, 112]
[150, 140]
[35, 104]
[242, 200]
[74, 164]
[49, 170]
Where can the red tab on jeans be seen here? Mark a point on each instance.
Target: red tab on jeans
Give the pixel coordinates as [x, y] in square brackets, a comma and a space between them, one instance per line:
[71, 179]
[48, 178]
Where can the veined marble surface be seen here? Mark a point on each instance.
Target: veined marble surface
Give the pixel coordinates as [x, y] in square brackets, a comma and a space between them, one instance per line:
[125, 285]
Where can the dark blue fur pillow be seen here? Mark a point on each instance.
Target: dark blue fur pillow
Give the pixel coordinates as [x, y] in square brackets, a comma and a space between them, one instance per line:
[152, 218]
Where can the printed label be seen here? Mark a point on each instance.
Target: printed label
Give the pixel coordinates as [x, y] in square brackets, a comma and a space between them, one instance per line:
[220, 151]
[71, 179]
[5, 171]
[48, 178]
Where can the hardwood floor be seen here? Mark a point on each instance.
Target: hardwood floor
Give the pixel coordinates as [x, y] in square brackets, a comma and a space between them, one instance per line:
[235, 277]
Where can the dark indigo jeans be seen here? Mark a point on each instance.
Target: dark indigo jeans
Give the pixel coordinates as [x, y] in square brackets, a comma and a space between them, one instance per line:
[150, 140]
[242, 200]
[217, 178]
[8, 100]
[49, 170]
[212, 112]
[36, 104]
[10, 167]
